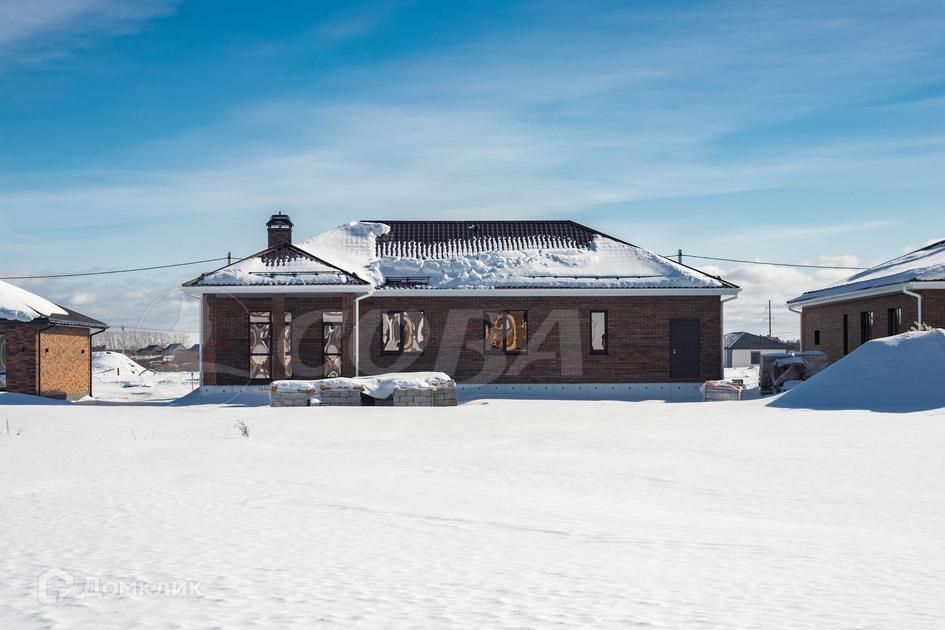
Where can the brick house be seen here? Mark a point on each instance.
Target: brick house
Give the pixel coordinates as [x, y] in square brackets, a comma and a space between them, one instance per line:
[45, 349]
[495, 303]
[882, 301]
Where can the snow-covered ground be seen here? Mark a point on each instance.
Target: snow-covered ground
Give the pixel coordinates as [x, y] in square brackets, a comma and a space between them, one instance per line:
[494, 514]
[117, 378]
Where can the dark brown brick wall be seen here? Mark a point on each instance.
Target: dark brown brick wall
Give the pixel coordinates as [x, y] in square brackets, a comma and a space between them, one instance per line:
[226, 334]
[558, 349]
[828, 319]
[21, 356]
[57, 360]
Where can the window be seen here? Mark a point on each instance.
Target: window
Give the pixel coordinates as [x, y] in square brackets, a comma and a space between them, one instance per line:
[756, 357]
[598, 332]
[260, 345]
[404, 332]
[866, 326]
[332, 322]
[846, 334]
[816, 337]
[287, 346]
[506, 331]
[894, 321]
[3, 362]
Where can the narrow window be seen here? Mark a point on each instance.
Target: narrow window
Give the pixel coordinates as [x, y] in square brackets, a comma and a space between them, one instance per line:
[332, 322]
[846, 334]
[260, 345]
[287, 346]
[404, 332]
[866, 326]
[756, 357]
[506, 331]
[3, 362]
[816, 337]
[598, 332]
[894, 321]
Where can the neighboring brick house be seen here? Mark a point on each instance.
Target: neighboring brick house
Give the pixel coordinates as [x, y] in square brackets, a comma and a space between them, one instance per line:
[881, 301]
[45, 349]
[488, 302]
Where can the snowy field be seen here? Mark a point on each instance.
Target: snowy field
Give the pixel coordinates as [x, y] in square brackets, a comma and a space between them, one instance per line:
[496, 514]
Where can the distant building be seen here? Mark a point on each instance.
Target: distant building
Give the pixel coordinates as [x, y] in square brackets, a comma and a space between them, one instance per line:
[881, 301]
[45, 349]
[743, 349]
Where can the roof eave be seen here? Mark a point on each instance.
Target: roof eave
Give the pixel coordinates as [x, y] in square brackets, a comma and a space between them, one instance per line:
[885, 289]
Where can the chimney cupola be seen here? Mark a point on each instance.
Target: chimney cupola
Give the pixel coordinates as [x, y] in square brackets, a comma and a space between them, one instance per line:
[279, 227]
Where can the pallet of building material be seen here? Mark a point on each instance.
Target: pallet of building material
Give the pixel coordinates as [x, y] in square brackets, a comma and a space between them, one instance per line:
[767, 372]
[815, 361]
[721, 390]
[291, 394]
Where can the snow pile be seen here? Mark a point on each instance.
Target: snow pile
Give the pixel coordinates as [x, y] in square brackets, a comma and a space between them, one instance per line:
[351, 247]
[896, 374]
[114, 363]
[380, 386]
[924, 264]
[20, 305]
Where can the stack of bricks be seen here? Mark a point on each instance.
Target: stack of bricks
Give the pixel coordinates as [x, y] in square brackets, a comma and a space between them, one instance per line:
[440, 396]
[349, 396]
[296, 396]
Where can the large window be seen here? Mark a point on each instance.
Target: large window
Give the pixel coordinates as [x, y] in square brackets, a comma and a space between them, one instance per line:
[506, 331]
[287, 346]
[404, 332]
[331, 338]
[894, 321]
[866, 326]
[598, 332]
[3, 362]
[260, 345]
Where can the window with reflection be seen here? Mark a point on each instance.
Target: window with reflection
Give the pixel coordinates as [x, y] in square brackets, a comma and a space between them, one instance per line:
[506, 331]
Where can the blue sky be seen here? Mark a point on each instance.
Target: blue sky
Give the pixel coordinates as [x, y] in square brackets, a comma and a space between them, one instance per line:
[142, 133]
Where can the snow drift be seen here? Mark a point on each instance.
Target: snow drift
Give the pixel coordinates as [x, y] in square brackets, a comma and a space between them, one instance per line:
[111, 362]
[893, 374]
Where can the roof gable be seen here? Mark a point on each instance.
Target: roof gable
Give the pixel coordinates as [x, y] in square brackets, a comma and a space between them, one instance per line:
[282, 264]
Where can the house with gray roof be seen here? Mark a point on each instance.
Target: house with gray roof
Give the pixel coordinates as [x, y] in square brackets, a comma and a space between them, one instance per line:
[881, 301]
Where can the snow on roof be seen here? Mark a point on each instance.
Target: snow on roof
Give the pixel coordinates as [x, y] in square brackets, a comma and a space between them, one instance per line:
[923, 265]
[280, 265]
[497, 254]
[20, 305]
[463, 255]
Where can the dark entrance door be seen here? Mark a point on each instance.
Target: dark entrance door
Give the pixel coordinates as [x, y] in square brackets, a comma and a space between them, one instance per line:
[684, 348]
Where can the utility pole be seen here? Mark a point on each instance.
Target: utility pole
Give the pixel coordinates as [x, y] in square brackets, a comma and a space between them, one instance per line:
[769, 319]
[229, 258]
[679, 257]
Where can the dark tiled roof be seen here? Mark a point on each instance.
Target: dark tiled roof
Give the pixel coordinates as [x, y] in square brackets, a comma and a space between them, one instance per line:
[748, 341]
[73, 318]
[437, 239]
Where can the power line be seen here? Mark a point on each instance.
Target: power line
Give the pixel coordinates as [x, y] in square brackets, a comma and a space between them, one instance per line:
[114, 271]
[771, 264]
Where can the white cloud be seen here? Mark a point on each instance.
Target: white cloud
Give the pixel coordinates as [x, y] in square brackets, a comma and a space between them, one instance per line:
[38, 30]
